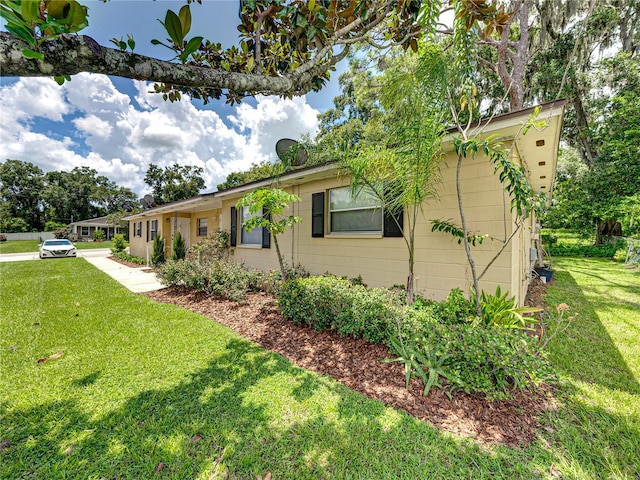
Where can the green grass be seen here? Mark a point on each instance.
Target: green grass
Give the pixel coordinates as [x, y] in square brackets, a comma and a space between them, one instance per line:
[26, 246]
[139, 382]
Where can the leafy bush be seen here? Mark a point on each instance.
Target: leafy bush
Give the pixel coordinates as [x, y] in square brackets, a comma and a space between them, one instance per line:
[222, 278]
[480, 359]
[98, 235]
[178, 248]
[130, 258]
[327, 302]
[217, 246]
[454, 309]
[595, 251]
[157, 254]
[63, 232]
[119, 243]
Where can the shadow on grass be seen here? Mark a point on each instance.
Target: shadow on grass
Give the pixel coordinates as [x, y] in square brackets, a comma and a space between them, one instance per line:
[588, 343]
[224, 421]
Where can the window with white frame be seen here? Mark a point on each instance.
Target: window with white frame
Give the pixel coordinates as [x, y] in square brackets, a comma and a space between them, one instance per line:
[254, 237]
[202, 227]
[359, 213]
[137, 229]
[84, 231]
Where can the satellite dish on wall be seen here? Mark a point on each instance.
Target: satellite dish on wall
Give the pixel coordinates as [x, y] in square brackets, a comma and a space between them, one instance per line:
[291, 152]
[127, 207]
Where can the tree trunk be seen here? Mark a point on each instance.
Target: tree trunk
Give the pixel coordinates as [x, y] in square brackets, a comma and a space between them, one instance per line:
[283, 272]
[607, 229]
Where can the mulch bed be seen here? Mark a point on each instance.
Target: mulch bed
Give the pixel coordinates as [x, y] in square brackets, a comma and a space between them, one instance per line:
[356, 363]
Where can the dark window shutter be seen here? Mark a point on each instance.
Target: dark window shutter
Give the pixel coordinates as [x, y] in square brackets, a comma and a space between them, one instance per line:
[147, 230]
[234, 227]
[317, 214]
[266, 235]
[393, 222]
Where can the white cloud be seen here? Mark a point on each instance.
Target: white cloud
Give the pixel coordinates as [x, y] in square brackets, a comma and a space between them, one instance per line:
[120, 138]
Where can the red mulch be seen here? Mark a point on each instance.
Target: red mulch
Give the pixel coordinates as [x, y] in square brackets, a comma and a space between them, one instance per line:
[356, 364]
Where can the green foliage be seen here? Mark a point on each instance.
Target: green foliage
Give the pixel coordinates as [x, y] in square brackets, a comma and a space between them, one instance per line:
[119, 244]
[122, 255]
[219, 278]
[327, 302]
[447, 226]
[158, 251]
[593, 251]
[489, 360]
[175, 182]
[62, 232]
[50, 226]
[501, 311]
[416, 362]
[99, 234]
[257, 171]
[216, 246]
[267, 204]
[454, 309]
[178, 247]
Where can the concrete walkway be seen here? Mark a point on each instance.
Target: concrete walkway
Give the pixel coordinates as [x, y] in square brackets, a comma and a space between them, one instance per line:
[137, 280]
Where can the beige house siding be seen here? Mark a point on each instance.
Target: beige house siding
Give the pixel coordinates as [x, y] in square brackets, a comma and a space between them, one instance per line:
[440, 262]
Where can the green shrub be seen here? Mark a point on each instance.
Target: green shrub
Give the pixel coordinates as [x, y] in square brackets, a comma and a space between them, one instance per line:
[595, 251]
[118, 243]
[130, 258]
[98, 235]
[327, 302]
[454, 309]
[222, 278]
[178, 248]
[157, 254]
[217, 246]
[476, 358]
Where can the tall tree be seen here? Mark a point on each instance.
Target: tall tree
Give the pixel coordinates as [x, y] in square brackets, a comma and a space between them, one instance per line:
[21, 185]
[176, 182]
[398, 160]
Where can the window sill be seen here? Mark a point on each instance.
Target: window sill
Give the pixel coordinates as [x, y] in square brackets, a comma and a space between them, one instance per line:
[249, 246]
[354, 235]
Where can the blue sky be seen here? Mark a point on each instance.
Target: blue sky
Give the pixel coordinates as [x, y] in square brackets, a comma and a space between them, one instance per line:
[117, 127]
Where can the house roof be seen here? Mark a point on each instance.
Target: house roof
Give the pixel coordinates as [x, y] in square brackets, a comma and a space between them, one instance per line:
[537, 150]
[92, 222]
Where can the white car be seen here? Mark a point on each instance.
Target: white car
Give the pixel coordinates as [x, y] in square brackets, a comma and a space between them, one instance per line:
[57, 248]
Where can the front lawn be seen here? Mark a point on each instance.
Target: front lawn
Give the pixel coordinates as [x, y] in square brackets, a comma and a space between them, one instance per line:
[26, 246]
[144, 389]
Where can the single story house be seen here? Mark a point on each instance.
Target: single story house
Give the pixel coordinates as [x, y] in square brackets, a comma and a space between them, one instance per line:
[83, 230]
[349, 236]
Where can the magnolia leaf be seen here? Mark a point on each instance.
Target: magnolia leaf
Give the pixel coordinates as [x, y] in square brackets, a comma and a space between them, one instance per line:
[30, 11]
[173, 27]
[32, 54]
[185, 20]
[131, 42]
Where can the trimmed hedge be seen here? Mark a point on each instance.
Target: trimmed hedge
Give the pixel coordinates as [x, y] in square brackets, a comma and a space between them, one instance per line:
[333, 303]
[595, 251]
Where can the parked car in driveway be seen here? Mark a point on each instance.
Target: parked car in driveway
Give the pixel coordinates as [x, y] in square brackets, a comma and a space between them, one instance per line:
[57, 248]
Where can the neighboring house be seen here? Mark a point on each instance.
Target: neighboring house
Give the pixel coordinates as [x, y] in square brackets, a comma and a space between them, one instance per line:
[353, 236]
[83, 231]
